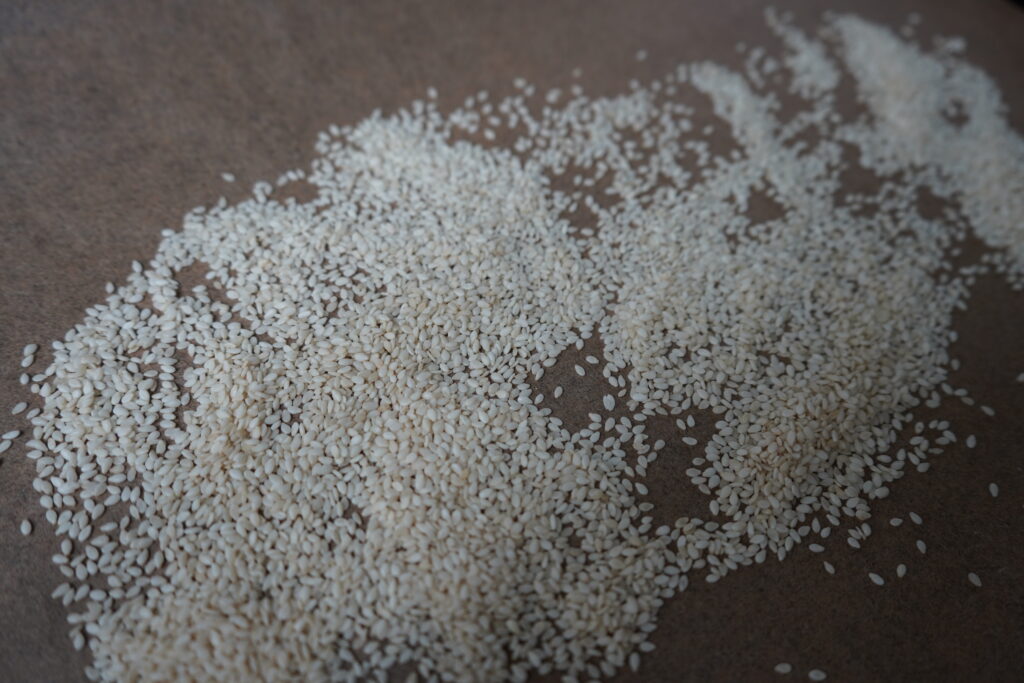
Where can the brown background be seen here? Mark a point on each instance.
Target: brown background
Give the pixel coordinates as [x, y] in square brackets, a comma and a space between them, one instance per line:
[117, 117]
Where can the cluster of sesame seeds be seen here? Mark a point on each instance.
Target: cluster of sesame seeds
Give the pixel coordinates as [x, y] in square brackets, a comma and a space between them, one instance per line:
[333, 460]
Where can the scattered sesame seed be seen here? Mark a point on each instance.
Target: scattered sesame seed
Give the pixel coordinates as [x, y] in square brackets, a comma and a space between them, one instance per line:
[412, 309]
[921, 546]
[993, 489]
[829, 568]
[26, 527]
[901, 570]
[783, 668]
[876, 579]
[815, 548]
[817, 675]
[971, 441]
[228, 177]
[974, 579]
[18, 407]
[916, 518]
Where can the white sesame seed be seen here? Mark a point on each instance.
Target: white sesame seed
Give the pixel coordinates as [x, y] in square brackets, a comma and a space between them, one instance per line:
[228, 177]
[971, 441]
[18, 407]
[829, 568]
[974, 579]
[817, 675]
[901, 570]
[915, 518]
[921, 546]
[876, 579]
[993, 490]
[26, 527]
[815, 548]
[379, 365]
[783, 668]
[11, 435]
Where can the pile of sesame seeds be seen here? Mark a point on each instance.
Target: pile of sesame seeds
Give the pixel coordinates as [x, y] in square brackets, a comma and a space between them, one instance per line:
[333, 461]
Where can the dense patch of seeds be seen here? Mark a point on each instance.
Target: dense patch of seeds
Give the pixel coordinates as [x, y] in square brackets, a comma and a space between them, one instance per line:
[333, 461]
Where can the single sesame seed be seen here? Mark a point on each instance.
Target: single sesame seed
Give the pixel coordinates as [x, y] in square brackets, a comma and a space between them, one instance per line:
[974, 579]
[876, 579]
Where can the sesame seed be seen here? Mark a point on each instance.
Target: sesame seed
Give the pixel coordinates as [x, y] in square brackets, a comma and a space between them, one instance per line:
[817, 675]
[974, 579]
[362, 400]
[26, 527]
[921, 546]
[916, 518]
[971, 441]
[993, 489]
[783, 668]
[876, 579]
[901, 570]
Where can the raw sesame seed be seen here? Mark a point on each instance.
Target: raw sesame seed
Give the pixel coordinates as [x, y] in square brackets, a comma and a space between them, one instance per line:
[971, 441]
[26, 527]
[18, 407]
[974, 579]
[374, 373]
[817, 675]
[876, 579]
[915, 518]
[783, 668]
[901, 570]
[829, 568]
[993, 489]
[921, 546]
